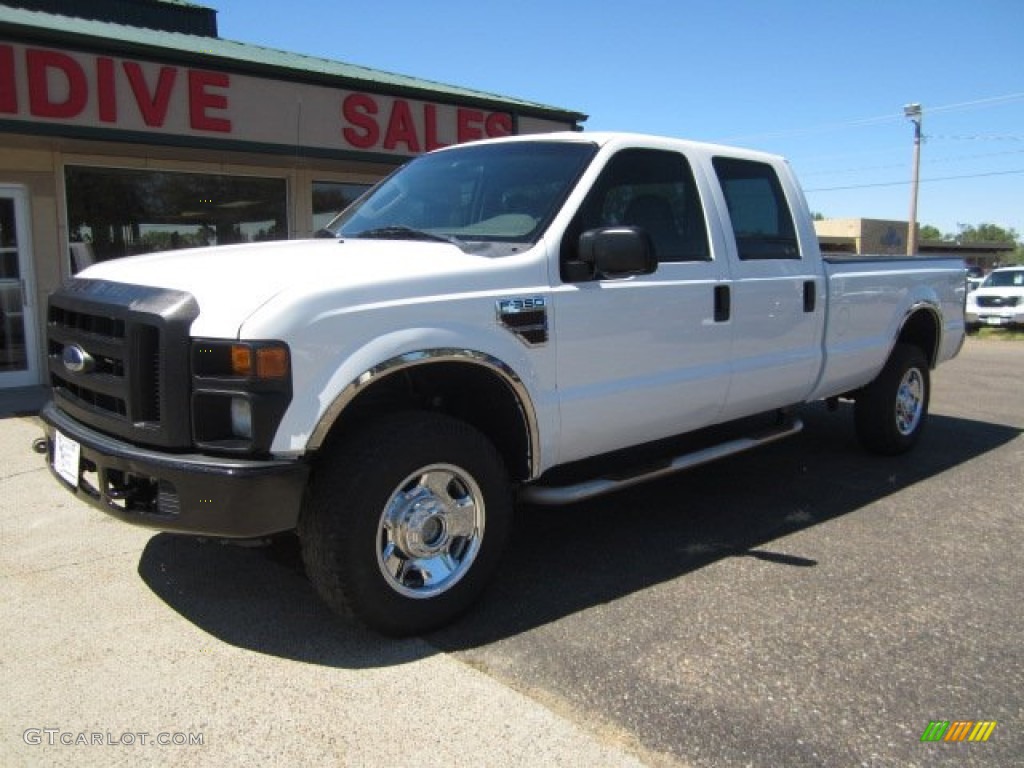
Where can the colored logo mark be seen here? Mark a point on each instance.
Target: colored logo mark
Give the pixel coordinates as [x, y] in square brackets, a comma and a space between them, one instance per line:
[958, 730]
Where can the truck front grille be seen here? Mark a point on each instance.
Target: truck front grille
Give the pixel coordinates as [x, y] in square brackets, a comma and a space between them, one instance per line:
[997, 301]
[118, 359]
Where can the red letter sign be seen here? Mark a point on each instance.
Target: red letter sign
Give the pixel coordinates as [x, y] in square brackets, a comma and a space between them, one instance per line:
[469, 124]
[152, 106]
[8, 89]
[430, 122]
[401, 128]
[106, 91]
[40, 100]
[498, 124]
[200, 100]
[357, 110]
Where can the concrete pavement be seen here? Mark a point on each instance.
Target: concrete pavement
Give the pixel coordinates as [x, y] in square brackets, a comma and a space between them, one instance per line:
[92, 655]
[803, 605]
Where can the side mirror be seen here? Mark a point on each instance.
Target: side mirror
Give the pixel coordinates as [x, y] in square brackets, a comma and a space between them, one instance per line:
[611, 252]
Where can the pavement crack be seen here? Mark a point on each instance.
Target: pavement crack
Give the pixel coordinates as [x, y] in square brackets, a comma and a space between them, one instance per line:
[23, 473]
[65, 565]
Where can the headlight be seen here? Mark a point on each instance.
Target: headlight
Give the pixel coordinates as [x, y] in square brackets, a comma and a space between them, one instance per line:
[260, 360]
[240, 391]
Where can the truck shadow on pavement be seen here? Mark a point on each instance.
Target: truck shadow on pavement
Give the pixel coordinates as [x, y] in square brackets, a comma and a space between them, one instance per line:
[562, 560]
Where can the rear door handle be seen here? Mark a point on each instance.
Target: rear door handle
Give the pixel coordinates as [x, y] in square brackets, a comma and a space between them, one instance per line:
[723, 303]
[810, 296]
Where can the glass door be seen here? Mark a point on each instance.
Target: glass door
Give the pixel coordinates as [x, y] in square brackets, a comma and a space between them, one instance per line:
[17, 300]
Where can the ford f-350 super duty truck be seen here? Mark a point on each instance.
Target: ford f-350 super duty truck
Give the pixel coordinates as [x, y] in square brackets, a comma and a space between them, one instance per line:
[533, 318]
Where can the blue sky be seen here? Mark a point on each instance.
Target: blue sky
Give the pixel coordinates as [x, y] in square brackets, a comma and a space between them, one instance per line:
[823, 83]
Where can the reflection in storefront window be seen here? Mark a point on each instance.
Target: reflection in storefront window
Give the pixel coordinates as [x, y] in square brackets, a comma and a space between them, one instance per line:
[12, 324]
[331, 197]
[119, 212]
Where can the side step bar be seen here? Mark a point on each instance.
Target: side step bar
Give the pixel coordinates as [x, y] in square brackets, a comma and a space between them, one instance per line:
[569, 494]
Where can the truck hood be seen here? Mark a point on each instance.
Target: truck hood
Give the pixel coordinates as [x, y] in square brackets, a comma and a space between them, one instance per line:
[231, 282]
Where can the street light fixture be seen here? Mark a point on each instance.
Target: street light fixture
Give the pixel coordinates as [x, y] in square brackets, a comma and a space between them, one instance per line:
[913, 113]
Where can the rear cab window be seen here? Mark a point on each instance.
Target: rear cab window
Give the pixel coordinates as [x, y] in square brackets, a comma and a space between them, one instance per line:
[762, 222]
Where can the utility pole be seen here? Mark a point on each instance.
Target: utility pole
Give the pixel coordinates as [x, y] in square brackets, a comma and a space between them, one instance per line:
[913, 113]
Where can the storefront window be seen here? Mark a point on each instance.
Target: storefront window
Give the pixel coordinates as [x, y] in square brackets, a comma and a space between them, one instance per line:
[330, 198]
[118, 212]
[12, 326]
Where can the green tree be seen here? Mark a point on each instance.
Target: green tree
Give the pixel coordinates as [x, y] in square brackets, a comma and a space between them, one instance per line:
[928, 232]
[986, 233]
[992, 233]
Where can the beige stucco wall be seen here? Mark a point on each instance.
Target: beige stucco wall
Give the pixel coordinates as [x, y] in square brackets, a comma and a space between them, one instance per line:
[869, 235]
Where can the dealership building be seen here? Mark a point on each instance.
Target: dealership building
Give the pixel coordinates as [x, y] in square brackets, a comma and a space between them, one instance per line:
[130, 126]
[879, 236]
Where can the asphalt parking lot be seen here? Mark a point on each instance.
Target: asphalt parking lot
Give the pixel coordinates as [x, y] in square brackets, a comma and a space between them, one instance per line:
[803, 605]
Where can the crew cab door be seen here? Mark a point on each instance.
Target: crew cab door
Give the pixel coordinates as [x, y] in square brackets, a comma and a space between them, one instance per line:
[644, 356]
[777, 287]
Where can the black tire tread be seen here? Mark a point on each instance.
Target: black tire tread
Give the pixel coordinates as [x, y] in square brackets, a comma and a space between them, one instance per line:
[338, 526]
[874, 410]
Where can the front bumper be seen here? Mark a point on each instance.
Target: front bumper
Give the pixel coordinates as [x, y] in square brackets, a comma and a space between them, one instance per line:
[994, 316]
[185, 493]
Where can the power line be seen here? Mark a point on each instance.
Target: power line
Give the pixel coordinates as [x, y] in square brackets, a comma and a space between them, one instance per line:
[991, 101]
[931, 161]
[979, 137]
[904, 183]
[988, 102]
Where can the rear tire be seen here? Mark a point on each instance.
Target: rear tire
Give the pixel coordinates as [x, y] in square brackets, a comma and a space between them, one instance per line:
[405, 522]
[891, 411]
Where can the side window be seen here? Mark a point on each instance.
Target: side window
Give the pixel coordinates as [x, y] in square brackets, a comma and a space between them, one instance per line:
[761, 219]
[650, 189]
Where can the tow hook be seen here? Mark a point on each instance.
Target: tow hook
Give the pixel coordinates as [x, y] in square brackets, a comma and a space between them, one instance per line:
[39, 445]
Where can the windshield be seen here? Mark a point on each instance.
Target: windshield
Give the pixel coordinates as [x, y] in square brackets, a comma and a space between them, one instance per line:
[1013, 278]
[496, 194]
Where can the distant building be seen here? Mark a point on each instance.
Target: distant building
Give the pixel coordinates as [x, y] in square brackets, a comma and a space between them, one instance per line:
[879, 236]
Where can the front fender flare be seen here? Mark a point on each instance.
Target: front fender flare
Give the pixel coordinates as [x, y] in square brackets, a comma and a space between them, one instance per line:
[427, 357]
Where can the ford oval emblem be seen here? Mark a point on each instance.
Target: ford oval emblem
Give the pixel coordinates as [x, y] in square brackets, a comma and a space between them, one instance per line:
[77, 360]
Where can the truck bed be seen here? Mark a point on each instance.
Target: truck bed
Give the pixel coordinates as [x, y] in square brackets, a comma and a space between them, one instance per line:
[870, 296]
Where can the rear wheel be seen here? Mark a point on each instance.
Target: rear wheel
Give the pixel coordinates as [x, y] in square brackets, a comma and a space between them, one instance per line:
[405, 522]
[891, 411]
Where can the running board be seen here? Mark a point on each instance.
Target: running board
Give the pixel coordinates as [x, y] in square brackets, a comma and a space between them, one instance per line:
[569, 494]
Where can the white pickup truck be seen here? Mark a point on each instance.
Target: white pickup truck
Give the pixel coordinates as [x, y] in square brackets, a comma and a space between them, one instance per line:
[998, 301]
[533, 318]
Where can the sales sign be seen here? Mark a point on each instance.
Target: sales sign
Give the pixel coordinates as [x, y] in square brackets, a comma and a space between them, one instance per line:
[78, 90]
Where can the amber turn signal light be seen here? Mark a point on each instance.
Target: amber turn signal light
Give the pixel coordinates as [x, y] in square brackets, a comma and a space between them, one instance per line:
[264, 362]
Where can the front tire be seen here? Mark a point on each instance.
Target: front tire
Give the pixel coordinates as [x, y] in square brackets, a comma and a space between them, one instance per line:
[405, 521]
[890, 412]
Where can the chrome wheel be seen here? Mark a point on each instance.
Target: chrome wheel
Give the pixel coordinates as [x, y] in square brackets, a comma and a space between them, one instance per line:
[891, 411]
[392, 529]
[430, 531]
[910, 402]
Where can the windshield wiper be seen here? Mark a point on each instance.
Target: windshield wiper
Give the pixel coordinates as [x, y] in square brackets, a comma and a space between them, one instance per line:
[398, 232]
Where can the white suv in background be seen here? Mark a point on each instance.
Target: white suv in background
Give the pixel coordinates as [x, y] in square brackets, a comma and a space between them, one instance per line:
[999, 302]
